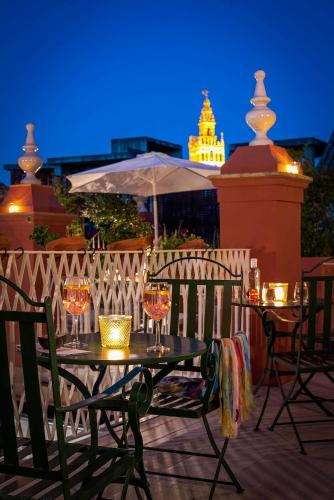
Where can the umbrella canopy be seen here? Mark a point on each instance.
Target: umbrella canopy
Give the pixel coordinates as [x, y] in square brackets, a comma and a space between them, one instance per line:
[148, 174]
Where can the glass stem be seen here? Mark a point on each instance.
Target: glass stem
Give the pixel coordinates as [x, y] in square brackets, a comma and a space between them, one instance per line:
[157, 332]
[75, 329]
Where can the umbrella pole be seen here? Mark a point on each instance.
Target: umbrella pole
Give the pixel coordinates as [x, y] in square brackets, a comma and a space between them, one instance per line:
[155, 219]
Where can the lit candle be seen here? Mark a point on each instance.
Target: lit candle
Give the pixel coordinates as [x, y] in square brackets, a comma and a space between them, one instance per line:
[276, 293]
[115, 330]
[281, 291]
[118, 354]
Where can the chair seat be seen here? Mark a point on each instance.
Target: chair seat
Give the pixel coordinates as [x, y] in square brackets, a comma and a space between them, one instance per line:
[78, 455]
[185, 387]
[309, 360]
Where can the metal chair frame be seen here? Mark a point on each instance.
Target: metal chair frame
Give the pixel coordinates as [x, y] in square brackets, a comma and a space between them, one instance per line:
[36, 457]
[208, 363]
[311, 352]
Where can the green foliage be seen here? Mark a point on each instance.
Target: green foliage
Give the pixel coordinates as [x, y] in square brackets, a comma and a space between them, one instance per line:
[41, 235]
[71, 202]
[317, 225]
[75, 228]
[174, 240]
[116, 218]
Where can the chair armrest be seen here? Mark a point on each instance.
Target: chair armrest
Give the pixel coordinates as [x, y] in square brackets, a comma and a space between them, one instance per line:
[139, 397]
[209, 370]
[209, 360]
[88, 402]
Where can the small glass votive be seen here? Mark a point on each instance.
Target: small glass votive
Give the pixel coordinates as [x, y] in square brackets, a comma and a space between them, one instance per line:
[275, 293]
[268, 293]
[115, 330]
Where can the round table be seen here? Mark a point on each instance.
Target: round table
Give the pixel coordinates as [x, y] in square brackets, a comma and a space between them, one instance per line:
[265, 311]
[181, 348]
[98, 358]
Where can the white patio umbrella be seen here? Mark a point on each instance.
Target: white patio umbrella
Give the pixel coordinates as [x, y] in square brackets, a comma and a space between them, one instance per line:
[148, 174]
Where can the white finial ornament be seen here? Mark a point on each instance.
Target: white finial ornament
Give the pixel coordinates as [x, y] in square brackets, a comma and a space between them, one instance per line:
[260, 118]
[30, 162]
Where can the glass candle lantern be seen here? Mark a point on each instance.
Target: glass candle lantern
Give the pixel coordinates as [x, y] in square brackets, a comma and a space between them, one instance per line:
[274, 293]
[115, 330]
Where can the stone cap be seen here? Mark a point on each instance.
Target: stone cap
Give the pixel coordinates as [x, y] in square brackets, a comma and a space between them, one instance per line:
[31, 198]
[267, 158]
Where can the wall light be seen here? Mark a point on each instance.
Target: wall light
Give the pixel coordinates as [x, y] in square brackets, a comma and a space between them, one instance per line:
[292, 168]
[13, 208]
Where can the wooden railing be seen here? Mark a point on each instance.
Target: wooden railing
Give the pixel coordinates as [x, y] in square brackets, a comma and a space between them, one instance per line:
[117, 280]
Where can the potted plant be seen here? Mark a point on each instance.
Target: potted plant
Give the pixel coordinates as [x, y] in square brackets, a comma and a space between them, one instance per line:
[54, 242]
[41, 235]
[73, 241]
[181, 239]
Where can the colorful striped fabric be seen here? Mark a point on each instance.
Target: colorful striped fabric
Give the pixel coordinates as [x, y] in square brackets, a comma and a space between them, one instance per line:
[236, 396]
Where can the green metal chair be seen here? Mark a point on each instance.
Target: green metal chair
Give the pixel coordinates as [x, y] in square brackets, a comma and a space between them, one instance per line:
[71, 469]
[203, 288]
[310, 352]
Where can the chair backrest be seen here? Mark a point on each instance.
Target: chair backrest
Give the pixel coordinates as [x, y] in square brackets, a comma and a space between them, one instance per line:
[25, 323]
[201, 296]
[317, 330]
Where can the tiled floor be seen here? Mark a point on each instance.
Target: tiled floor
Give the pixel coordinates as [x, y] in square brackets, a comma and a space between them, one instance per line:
[267, 464]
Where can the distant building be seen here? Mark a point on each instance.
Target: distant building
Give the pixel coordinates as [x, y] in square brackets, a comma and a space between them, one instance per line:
[121, 149]
[327, 158]
[206, 148]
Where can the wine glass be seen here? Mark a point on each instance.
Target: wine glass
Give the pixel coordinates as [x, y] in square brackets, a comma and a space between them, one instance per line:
[76, 300]
[156, 302]
[297, 292]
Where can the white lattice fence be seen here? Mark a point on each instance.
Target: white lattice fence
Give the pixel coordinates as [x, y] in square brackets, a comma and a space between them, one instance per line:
[117, 280]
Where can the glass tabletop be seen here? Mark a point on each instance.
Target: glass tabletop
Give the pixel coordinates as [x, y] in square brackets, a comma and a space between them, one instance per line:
[267, 305]
[181, 348]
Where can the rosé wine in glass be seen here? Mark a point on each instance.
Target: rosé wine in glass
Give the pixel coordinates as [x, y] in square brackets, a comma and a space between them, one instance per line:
[76, 300]
[156, 303]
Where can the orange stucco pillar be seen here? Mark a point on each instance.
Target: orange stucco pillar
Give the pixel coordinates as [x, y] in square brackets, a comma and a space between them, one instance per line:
[27, 205]
[260, 209]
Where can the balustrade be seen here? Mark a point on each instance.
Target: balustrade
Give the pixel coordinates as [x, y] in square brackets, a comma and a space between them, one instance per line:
[117, 279]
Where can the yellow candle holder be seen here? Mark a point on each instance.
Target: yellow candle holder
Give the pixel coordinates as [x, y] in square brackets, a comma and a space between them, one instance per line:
[115, 330]
[276, 293]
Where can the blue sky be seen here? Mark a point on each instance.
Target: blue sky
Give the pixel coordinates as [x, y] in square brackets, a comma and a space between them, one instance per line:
[88, 71]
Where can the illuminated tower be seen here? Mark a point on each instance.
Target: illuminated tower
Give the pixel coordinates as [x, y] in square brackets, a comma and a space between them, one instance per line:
[205, 148]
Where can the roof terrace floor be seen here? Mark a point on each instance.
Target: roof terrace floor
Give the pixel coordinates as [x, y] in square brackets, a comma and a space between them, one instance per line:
[267, 464]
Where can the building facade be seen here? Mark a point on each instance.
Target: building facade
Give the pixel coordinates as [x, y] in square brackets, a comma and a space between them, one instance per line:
[206, 148]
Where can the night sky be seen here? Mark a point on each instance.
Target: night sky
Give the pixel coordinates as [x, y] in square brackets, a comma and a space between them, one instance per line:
[88, 71]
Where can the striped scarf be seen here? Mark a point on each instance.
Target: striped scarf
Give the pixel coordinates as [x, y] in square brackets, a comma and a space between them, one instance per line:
[235, 392]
